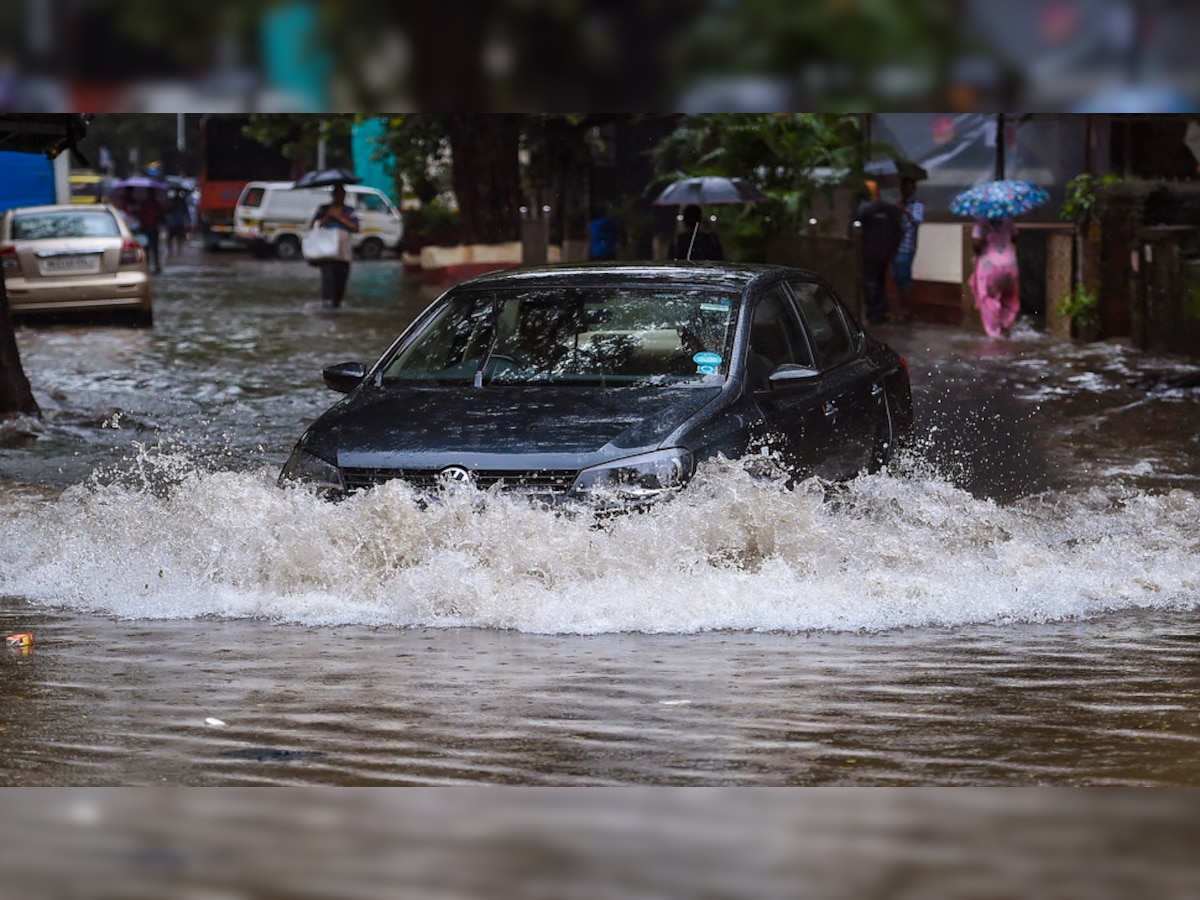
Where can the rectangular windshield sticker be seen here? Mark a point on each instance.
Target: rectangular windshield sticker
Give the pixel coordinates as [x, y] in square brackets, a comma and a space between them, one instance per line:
[719, 306]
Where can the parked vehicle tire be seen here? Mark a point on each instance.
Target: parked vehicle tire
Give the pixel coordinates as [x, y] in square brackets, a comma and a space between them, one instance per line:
[287, 248]
[372, 248]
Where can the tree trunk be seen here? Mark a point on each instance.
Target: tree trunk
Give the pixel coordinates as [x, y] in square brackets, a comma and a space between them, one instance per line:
[568, 167]
[16, 397]
[487, 179]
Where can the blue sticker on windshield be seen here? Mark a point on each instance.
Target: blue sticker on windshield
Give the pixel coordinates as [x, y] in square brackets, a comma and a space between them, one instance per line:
[706, 362]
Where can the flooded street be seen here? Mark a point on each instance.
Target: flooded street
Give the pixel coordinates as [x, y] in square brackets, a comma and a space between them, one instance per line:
[1017, 602]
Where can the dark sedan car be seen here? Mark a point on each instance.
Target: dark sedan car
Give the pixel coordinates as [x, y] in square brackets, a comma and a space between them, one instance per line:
[609, 383]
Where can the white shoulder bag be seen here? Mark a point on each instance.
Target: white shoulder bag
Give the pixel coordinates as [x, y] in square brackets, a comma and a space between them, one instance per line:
[323, 244]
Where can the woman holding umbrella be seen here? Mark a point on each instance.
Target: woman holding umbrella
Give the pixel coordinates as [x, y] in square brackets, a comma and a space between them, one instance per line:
[997, 277]
[995, 280]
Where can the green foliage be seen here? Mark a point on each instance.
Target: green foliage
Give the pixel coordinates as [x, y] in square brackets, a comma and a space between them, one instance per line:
[1191, 300]
[864, 54]
[779, 152]
[1081, 304]
[152, 135]
[633, 218]
[431, 223]
[1082, 194]
[299, 135]
[420, 145]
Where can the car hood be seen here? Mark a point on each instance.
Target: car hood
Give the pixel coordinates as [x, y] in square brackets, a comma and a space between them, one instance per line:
[427, 426]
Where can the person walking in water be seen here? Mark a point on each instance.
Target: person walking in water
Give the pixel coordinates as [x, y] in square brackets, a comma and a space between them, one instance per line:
[882, 227]
[178, 224]
[150, 214]
[996, 277]
[335, 272]
[913, 212]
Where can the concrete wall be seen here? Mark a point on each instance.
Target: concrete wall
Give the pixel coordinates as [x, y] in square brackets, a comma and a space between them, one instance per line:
[939, 253]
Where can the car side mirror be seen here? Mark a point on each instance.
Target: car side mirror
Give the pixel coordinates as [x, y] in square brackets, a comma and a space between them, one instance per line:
[344, 377]
[792, 374]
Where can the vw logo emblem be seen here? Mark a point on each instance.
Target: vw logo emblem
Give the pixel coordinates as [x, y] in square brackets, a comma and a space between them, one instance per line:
[455, 475]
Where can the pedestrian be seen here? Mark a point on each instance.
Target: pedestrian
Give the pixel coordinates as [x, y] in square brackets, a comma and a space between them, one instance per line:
[996, 279]
[913, 212]
[694, 242]
[882, 228]
[151, 215]
[335, 272]
[127, 204]
[603, 235]
[178, 224]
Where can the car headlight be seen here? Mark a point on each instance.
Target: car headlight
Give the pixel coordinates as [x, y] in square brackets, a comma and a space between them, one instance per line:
[637, 478]
[303, 467]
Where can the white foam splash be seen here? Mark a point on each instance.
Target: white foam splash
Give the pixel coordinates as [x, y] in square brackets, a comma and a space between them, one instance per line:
[732, 552]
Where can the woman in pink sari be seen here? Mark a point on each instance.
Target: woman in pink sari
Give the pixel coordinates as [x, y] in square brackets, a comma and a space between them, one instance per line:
[996, 279]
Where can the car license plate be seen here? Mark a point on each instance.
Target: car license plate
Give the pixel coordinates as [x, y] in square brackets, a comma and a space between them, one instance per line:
[87, 262]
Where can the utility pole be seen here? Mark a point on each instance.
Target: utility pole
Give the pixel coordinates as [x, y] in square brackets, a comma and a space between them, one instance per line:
[1000, 129]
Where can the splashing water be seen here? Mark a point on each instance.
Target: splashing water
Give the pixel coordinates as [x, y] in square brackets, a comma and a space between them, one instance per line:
[172, 539]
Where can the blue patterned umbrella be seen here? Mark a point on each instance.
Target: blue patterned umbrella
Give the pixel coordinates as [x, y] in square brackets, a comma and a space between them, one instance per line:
[994, 199]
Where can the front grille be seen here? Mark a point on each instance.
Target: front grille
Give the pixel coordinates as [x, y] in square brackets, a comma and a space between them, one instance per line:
[550, 481]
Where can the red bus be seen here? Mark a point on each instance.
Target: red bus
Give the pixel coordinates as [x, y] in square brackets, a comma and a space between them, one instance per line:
[228, 160]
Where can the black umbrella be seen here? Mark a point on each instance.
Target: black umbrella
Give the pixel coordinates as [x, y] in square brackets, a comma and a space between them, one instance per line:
[706, 190]
[888, 172]
[326, 178]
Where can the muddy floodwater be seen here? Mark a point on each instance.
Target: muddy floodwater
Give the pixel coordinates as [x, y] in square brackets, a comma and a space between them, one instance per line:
[1015, 602]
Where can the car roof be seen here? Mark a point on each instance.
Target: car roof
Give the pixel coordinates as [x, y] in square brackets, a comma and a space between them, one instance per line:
[728, 276]
[287, 186]
[60, 207]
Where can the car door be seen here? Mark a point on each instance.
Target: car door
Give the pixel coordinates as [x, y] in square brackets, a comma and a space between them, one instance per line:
[792, 425]
[852, 393]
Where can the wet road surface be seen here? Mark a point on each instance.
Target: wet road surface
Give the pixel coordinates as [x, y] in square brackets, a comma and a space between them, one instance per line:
[1014, 603]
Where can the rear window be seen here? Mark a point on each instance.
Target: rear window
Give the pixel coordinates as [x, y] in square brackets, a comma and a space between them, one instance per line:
[253, 197]
[85, 189]
[89, 223]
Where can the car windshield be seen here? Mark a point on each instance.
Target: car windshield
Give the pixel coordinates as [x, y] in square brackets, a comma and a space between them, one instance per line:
[608, 335]
[66, 224]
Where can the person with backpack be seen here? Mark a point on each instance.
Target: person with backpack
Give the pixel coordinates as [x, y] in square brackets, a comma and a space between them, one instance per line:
[882, 227]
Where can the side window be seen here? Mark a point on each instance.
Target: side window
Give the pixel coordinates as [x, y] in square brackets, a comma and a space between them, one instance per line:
[823, 314]
[776, 338]
[369, 203]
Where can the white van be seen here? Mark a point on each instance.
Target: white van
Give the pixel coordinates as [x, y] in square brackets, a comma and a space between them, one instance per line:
[273, 218]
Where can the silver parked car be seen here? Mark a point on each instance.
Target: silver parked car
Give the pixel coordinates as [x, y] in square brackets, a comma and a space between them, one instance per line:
[74, 259]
